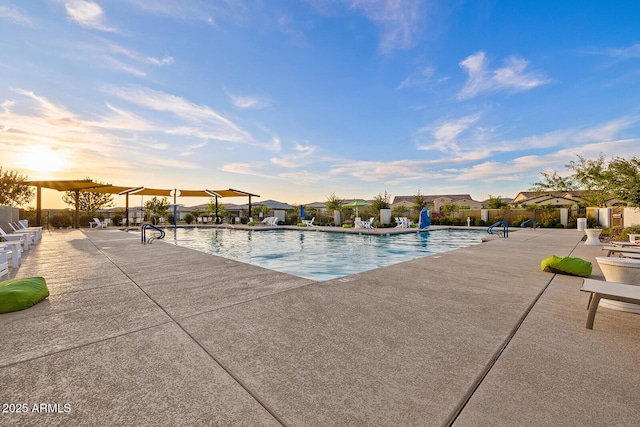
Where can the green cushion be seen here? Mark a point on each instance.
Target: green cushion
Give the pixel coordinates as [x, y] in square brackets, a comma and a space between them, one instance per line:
[18, 294]
[567, 265]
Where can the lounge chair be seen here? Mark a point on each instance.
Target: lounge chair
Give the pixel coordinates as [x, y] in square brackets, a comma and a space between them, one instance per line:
[4, 267]
[398, 222]
[622, 292]
[36, 232]
[621, 250]
[267, 220]
[273, 221]
[368, 224]
[309, 223]
[98, 224]
[25, 239]
[13, 251]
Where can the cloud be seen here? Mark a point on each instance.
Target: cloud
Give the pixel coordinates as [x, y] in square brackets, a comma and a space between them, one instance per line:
[251, 169]
[249, 102]
[14, 15]
[445, 136]
[512, 77]
[294, 160]
[390, 172]
[418, 79]
[204, 122]
[630, 52]
[398, 20]
[86, 13]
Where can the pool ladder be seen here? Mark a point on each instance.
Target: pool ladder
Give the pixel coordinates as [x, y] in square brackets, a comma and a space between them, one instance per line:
[143, 236]
[505, 228]
[532, 221]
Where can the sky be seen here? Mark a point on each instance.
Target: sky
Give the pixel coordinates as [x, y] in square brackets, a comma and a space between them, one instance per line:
[296, 100]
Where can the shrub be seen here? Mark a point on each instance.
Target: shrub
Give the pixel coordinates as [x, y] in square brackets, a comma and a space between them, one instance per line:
[116, 218]
[61, 220]
[188, 218]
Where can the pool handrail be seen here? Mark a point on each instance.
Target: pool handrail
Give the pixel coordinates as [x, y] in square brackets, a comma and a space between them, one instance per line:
[143, 236]
[532, 221]
[505, 228]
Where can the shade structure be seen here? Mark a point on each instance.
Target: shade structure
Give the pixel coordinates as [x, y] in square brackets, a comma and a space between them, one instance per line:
[60, 185]
[87, 185]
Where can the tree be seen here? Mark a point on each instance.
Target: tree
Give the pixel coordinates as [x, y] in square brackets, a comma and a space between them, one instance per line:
[551, 181]
[13, 191]
[419, 202]
[495, 202]
[596, 178]
[333, 203]
[88, 202]
[381, 201]
[626, 179]
[449, 208]
[157, 207]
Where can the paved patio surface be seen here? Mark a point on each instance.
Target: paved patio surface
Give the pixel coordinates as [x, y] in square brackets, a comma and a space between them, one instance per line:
[163, 335]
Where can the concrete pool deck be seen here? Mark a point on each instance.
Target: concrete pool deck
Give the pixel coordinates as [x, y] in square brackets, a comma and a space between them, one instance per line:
[163, 335]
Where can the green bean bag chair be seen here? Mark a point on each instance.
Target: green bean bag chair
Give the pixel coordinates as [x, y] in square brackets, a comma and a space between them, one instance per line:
[567, 265]
[18, 294]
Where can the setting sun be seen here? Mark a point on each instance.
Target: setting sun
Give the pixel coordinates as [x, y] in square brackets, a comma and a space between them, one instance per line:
[42, 160]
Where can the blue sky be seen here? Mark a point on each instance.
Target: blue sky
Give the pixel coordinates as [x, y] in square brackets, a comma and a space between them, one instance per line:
[296, 100]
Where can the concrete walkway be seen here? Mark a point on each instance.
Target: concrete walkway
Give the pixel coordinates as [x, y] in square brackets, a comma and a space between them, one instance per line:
[162, 335]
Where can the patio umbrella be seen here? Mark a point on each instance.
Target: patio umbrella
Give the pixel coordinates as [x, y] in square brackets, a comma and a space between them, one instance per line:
[355, 204]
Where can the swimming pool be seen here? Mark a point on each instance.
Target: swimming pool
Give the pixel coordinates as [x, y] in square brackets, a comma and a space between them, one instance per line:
[321, 256]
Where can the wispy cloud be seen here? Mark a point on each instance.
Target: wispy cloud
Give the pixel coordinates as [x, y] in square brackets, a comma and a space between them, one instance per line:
[249, 102]
[87, 13]
[251, 169]
[15, 15]
[512, 77]
[444, 137]
[418, 79]
[399, 21]
[297, 159]
[629, 52]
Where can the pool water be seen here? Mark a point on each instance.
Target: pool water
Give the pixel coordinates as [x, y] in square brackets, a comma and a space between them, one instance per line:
[321, 256]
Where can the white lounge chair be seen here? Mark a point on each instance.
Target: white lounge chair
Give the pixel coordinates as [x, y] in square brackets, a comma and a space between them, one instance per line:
[273, 221]
[309, 223]
[36, 233]
[368, 224]
[4, 267]
[23, 224]
[13, 251]
[98, 224]
[25, 239]
[621, 292]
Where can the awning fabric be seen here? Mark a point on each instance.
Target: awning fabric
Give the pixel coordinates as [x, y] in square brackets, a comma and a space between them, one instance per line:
[95, 187]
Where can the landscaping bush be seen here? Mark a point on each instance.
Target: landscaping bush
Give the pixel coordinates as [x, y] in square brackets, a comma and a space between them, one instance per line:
[188, 218]
[61, 220]
[116, 219]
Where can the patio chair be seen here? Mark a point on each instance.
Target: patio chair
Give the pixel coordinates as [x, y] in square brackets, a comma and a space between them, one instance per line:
[309, 223]
[25, 239]
[4, 266]
[273, 221]
[368, 224]
[36, 232]
[98, 224]
[13, 251]
[619, 292]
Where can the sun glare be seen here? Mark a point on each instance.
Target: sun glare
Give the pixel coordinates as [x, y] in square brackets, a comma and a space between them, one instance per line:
[42, 160]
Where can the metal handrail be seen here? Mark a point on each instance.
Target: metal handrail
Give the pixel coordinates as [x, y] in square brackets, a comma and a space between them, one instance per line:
[532, 221]
[143, 237]
[505, 228]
